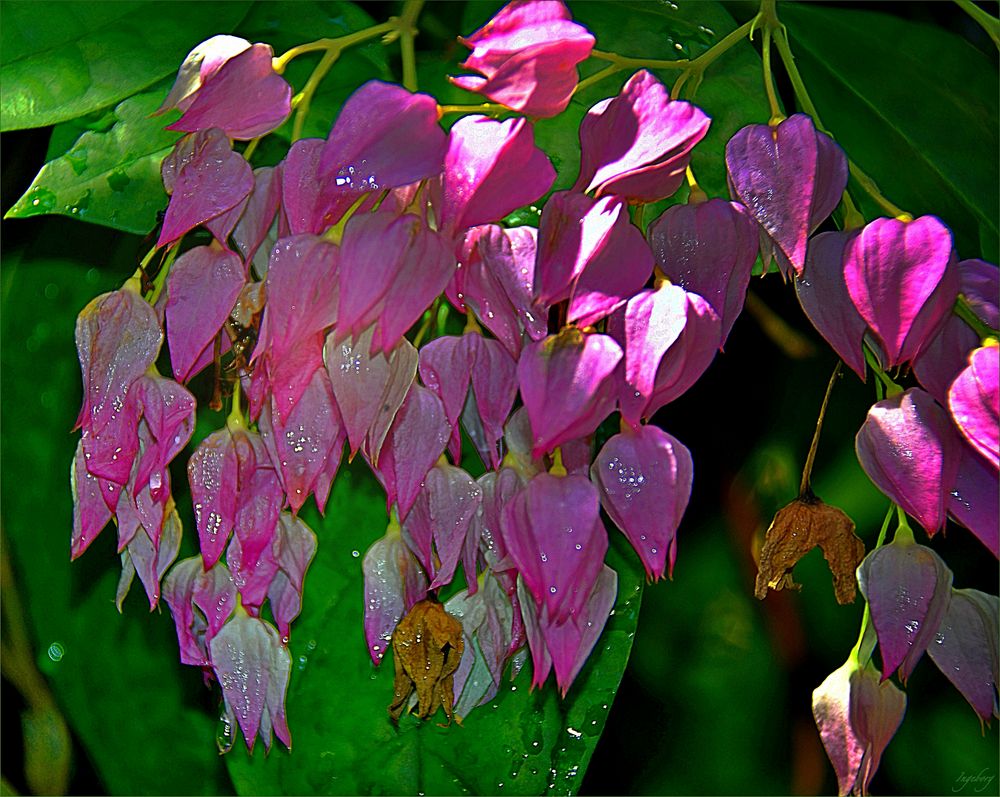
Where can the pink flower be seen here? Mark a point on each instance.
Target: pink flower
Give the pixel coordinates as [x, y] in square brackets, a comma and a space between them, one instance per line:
[527, 55]
[638, 144]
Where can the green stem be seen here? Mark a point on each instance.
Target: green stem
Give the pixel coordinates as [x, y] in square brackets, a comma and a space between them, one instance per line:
[768, 16]
[598, 76]
[802, 95]
[885, 386]
[865, 645]
[488, 108]
[235, 419]
[987, 22]
[408, 32]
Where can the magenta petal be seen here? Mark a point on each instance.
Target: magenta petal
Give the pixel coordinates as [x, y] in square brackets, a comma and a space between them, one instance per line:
[494, 386]
[150, 560]
[425, 269]
[307, 439]
[369, 389]
[202, 288]
[553, 532]
[528, 53]
[199, 64]
[909, 449]
[454, 498]
[294, 548]
[214, 180]
[708, 248]
[245, 97]
[384, 137]
[567, 385]
[212, 471]
[786, 178]
[571, 642]
[258, 216]
[651, 323]
[118, 337]
[965, 649]
[541, 661]
[618, 269]
[907, 587]
[168, 413]
[301, 304]
[307, 202]
[903, 279]
[573, 229]
[214, 593]
[90, 512]
[178, 590]
[474, 190]
[393, 582]
[445, 366]
[974, 401]
[689, 356]
[247, 655]
[645, 481]
[638, 144]
[823, 295]
[373, 246]
[417, 438]
[975, 500]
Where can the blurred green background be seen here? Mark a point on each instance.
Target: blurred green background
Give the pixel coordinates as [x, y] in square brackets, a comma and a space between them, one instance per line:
[716, 695]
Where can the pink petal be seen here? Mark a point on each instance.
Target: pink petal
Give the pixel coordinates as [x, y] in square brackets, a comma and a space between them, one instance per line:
[975, 499]
[214, 180]
[567, 385]
[708, 248]
[245, 97]
[212, 471]
[823, 295]
[638, 144]
[202, 288]
[474, 190]
[168, 412]
[90, 512]
[388, 568]
[204, 60]
[974, 401]
[294, 548]
[902, 278]
[553, 532]
[645, 481]
[907, 587]
[910, 451]
[258, 216]
[178, 591]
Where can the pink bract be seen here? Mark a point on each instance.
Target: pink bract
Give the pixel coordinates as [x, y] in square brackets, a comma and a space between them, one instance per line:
[528, 55]
[638, 144]
[974, 401]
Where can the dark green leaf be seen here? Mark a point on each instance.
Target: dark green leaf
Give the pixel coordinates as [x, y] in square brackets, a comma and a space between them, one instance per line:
[60, 60]
[343, 741]
[117, 679]
[898, 92]
[108, 177]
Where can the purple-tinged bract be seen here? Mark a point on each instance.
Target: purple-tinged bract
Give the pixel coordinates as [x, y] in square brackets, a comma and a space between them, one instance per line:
[974, 401]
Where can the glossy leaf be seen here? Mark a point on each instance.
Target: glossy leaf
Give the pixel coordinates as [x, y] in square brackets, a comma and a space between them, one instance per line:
[109, 177]
[529, 742]
[88, 55]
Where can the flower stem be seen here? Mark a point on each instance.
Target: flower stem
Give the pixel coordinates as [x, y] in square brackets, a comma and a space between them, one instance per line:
[885, 386]
[865, 645]
[407, 33]
[804, 485]
[770, 22]
[598, 76]
[235, 419]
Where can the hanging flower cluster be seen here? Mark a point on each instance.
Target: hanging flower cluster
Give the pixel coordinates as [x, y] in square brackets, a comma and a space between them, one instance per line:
[309, 294]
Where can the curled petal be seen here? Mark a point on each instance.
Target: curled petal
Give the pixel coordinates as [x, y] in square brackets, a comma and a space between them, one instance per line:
[974, 401]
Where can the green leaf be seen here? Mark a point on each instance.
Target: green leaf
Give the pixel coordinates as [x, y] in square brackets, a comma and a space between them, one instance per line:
[117, 679]
[343, 742]
[108, 177]
[60, 60]
[896, 92]
[732, 93]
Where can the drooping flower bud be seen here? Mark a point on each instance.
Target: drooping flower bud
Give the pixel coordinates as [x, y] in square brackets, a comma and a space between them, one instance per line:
[645, 480]
[857, 714]
[907, 587]
[974, 401]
